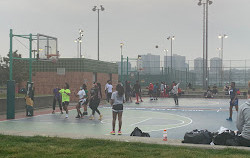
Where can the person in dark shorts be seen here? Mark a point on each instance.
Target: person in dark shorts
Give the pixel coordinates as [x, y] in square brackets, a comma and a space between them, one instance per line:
[137, 90]
[57, 98]
[65, 98]
[128, 91]
[94, 101]
[117, 100]
[234, 100]
[175, 93]
[150, 90]
[243, 122]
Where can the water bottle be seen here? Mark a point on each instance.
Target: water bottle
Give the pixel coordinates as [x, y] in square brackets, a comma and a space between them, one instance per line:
[165, 136]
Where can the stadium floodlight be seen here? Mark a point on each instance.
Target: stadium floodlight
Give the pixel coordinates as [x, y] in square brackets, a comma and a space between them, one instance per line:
[98, 32]
[102, 8]
[94, 9]
[205, 4]
[222, 36]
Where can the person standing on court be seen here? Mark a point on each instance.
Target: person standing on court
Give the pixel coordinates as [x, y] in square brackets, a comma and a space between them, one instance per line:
[82, 98]
[106, 90]
[85, 109]
[94, 101]
[234, 100]
[57, 97]
[109, 90]
[137, 90]
[243, 122]
[175, 93]
[65, 98]
[117, 100]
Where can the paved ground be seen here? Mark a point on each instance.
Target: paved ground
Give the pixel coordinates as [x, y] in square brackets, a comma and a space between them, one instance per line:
[149, 116]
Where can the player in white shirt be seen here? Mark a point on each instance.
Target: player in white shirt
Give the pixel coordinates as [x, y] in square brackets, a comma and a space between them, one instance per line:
[82, 98]
[106, 89]
[109, 90]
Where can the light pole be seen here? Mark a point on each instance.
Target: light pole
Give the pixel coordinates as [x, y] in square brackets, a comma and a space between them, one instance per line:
[121, 45]
[221, 52]
[166, 51]
[205, 4]
[171, 38]
[98, 30]
[79, 43]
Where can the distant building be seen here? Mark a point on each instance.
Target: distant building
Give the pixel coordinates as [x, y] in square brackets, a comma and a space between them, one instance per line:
[215, 65]
[178, 62]
[124, 67]
[150, 64]
[198, 70]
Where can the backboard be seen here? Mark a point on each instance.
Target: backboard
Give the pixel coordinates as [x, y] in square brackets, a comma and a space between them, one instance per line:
[47, 48]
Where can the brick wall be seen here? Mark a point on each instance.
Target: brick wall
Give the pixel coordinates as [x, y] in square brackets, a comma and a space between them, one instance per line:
[45, 82]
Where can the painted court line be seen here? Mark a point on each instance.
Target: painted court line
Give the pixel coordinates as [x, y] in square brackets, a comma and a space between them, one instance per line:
[141, 121]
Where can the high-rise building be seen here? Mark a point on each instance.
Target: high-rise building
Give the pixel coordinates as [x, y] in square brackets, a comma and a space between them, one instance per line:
[151, 64]
[178, 62]
[198, 70]
[215, 65]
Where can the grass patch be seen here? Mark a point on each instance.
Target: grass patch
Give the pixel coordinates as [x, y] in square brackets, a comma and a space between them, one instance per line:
[15, 146]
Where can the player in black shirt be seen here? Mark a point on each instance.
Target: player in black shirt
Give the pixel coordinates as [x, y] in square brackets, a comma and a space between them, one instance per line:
[234, 100]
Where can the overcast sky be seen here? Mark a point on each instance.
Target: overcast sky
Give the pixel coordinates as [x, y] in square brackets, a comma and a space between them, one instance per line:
[139, 24]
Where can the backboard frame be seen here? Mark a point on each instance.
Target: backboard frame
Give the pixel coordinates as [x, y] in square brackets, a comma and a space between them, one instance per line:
[47, 54]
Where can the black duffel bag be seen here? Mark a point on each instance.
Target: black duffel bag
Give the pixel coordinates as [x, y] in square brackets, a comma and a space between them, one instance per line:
[198, 137]
[137, 132]
[228, 138]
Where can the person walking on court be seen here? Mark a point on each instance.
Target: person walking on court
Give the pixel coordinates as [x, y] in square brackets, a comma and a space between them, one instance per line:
[175, 93]
[81, 94]
[57, 97]
[109, 90]
[117, 100]
[65, 98]
[243, 122]
[234, 100]
[94, 102]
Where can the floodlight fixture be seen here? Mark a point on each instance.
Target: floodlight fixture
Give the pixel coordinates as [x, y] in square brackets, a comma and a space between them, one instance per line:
[102, 8]
[94, 9]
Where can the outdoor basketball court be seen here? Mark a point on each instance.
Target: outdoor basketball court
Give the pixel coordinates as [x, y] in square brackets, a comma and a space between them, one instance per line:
[149, 116]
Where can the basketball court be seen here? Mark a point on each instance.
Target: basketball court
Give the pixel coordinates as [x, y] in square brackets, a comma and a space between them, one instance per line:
[149, 116]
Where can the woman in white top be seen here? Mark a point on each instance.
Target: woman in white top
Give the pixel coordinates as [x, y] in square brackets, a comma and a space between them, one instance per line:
[117, 100]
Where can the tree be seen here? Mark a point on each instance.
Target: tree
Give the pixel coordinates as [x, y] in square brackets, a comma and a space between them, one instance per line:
[20, 69]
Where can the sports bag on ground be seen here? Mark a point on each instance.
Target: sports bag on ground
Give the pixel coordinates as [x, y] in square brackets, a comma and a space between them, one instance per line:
[198, 137]
[228, 138]
[137, 132]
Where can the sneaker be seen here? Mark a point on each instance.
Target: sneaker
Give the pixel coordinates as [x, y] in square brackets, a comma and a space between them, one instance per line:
[85, 113]
[100, 117]
[119, 133]
[112, 133]
[53, 112]
[78, 116]
[91, 117]
[66, 115]
[229, 119]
